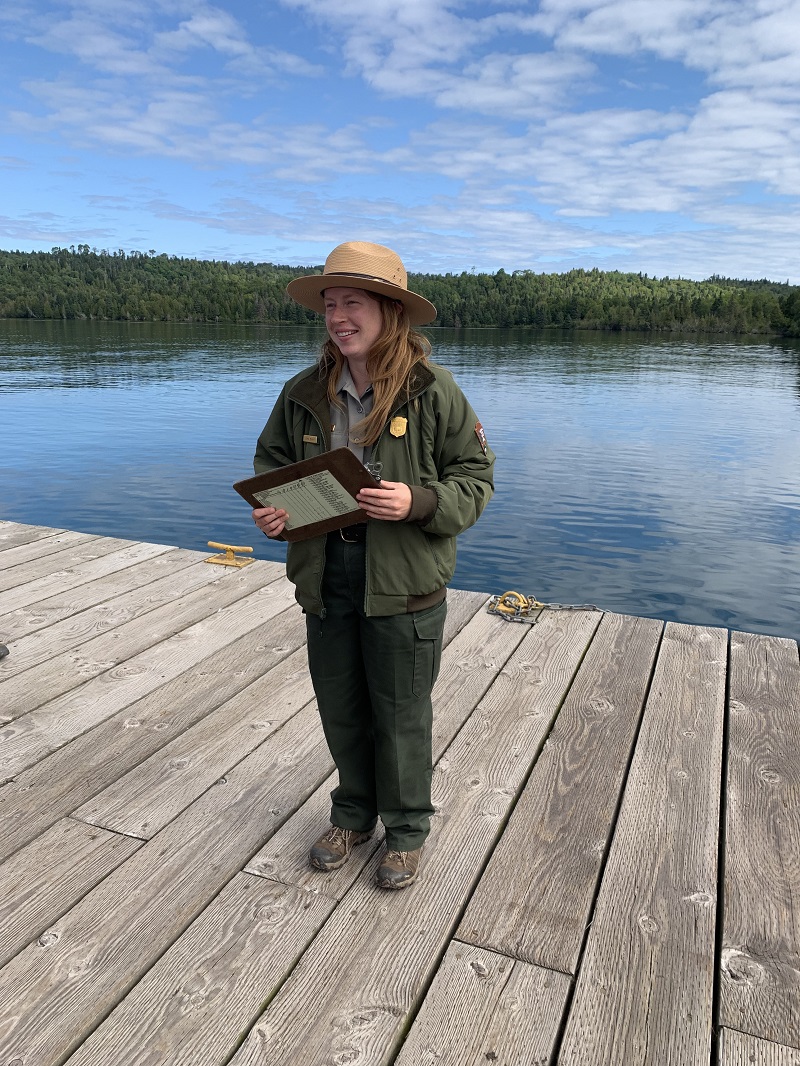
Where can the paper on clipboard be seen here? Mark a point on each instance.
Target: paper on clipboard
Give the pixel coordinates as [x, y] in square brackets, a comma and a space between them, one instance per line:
[314, 498]
[318, 494]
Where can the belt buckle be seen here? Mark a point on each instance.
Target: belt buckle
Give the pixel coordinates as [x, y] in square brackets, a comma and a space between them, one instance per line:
[347, 540]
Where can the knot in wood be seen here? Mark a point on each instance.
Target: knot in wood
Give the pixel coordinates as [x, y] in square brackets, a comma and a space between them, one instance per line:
[647, 923]
[599, 705]
[699, 897]
[771, 777]
[270, 913]
[346, 1057]
[178, 763]
[741, 968]
[479, 968]
[46, 940]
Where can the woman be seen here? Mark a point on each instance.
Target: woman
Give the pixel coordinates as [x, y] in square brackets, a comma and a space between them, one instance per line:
[374, 594]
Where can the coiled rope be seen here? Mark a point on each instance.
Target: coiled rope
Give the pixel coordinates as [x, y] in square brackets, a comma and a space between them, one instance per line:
[515, 607]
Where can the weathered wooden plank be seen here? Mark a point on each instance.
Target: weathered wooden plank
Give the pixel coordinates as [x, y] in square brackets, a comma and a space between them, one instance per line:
[40, 732]
[644, 991]
[233, 958]
[365, 973]
[170, 592]
[470, 664]
[535, 898]
[15, 533]
[63, 985]
[192, 594]
[26, 562]
[42, 881]
[49, 599]
[462, 607]
[742, 1049]
[66, 779]
[149, 796]
[760, 965]
[484, 1008]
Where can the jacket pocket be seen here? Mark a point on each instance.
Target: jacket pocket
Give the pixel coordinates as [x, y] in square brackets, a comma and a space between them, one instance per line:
[428, 629]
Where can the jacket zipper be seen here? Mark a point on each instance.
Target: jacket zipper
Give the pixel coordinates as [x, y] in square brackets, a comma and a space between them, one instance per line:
[326, 439]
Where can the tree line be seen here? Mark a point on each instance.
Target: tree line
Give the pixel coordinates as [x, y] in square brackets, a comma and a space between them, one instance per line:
[84, 283]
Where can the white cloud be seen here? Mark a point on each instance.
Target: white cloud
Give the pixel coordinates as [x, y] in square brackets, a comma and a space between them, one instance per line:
[513, 116]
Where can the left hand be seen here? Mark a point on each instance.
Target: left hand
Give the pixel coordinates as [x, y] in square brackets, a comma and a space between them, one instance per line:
[390, 501]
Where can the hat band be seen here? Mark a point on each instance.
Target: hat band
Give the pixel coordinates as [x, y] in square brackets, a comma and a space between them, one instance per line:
[366, 277]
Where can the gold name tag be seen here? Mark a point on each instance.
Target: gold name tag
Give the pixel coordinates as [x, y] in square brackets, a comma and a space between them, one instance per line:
[397, 427]
[309, 438]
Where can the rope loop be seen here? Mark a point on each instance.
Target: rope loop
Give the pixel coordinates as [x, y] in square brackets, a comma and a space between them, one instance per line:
[515, 607]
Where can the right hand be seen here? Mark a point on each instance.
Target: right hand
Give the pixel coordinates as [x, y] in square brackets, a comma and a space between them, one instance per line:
[270, 521]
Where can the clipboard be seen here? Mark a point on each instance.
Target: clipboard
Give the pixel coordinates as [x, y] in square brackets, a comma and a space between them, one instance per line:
[322, 489]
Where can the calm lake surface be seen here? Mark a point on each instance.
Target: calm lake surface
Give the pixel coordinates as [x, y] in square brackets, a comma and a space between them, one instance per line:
[648, 475]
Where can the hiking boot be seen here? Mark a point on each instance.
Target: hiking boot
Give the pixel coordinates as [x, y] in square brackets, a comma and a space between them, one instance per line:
[332, 850]
[399, 868]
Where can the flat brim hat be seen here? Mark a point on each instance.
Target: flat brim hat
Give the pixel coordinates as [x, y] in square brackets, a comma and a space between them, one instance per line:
[360, 265]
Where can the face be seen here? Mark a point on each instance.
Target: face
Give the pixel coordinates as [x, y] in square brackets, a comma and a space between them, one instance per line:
[354, 320]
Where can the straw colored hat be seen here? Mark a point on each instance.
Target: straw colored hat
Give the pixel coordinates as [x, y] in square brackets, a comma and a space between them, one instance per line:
[360, 265]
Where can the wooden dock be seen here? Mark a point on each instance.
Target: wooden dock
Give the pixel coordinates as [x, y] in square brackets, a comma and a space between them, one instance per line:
[613, 875]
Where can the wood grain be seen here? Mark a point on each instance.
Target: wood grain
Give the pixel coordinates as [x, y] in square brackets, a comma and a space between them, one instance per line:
[63, 985]
[760, 965]
[484, 1008]
[178, 602]
[27, 562]
[742, 1049]
[42, 881]
[15, 533]
[193, 1006]
[40, 732]
[37, 604]
[82, 624]
[535, 898]
[645, 988]
[73, 774]
[148, 797]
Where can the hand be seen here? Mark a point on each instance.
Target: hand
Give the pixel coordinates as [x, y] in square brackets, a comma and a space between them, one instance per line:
[390, 501]
[270, 521]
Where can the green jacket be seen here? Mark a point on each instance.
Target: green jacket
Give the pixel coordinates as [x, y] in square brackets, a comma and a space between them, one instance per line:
[440, 456]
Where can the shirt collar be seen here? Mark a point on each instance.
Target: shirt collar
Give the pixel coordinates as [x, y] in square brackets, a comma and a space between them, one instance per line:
[345, 383]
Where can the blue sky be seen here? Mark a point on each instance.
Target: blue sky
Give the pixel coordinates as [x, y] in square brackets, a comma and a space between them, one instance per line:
[622, 134]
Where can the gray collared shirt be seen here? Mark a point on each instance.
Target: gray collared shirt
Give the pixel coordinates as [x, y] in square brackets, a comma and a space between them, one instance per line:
[355, 408]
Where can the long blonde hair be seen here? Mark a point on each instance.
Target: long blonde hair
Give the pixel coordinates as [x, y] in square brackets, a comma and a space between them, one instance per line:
[389, 364]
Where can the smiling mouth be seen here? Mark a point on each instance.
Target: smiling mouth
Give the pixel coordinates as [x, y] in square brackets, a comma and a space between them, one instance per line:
[347, 333]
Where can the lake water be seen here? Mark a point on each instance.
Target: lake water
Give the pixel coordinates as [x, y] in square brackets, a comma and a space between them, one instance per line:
[648, 475]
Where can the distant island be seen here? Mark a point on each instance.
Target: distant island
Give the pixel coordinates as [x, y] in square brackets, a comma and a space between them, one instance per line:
[84, 283]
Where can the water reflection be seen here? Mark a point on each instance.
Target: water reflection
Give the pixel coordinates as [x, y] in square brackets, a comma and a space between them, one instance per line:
[654, 476]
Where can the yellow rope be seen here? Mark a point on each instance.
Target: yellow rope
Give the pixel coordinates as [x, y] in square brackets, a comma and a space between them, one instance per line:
[518, 608]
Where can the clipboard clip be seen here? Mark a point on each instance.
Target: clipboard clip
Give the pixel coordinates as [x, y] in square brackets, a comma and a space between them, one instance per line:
[228, 558]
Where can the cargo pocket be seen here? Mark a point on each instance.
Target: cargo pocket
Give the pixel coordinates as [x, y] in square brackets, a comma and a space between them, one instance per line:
[428, 629]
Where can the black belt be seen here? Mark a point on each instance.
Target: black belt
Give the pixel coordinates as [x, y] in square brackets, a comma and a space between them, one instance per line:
[356, 534]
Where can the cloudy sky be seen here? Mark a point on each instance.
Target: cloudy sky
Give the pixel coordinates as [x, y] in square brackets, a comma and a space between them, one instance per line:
[648, 135]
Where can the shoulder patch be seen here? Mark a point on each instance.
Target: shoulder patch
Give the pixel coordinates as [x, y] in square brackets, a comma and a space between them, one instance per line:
[481, 435]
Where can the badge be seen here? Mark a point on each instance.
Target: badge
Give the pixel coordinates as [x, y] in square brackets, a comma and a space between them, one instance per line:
[309, 438]
[397, 427]
[481, 435]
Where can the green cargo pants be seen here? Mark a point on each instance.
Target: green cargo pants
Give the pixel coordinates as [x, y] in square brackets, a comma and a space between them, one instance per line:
[373, 679]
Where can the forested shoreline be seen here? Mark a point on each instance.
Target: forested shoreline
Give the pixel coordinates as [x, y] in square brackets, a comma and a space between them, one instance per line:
[84, 283]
